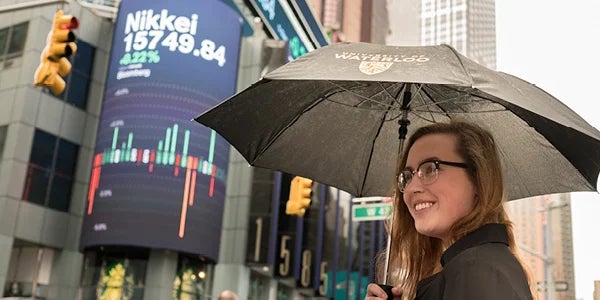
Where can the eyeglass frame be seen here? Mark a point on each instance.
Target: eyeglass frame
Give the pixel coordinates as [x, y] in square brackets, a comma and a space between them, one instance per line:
[436, 162]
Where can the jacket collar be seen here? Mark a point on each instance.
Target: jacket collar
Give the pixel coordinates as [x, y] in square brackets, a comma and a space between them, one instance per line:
[488, 233]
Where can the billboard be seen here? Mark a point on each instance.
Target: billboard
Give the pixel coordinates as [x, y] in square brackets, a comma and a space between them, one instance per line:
[158, 178]
[279, 18]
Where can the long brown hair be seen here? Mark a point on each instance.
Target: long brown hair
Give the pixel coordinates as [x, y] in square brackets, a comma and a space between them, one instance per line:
[415, 256]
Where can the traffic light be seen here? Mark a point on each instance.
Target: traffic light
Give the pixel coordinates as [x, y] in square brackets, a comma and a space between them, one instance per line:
[300, 192]
[54, 62]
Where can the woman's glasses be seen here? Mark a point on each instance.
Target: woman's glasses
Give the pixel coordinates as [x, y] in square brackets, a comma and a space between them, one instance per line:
[427, 172]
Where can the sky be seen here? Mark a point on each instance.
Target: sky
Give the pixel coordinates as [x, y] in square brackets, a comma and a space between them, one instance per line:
[556, 46]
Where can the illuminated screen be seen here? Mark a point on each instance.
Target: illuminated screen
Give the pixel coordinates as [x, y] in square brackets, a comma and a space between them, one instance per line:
[158, 178]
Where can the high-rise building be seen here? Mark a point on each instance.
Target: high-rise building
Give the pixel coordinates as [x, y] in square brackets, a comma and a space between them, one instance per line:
[543, 231]
[54, 169]
[467, 25]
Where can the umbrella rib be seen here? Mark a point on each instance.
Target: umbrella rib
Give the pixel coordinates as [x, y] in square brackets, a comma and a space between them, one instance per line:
[460, 61]
[471, 94]
[358, 95]
[448, 100]
[467, 94]
[431, 113]
[394, 98]
[368, 165]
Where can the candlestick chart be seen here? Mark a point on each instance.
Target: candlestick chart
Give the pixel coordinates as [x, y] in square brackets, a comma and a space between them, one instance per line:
[165, 154]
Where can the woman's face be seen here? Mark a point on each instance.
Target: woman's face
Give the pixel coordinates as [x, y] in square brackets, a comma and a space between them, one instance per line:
[435, 207]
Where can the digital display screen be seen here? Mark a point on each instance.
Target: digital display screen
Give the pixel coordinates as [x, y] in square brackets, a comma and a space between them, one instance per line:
[281, 21]
[158, 177]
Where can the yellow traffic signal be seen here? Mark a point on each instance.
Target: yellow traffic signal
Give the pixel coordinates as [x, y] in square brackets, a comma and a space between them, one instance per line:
[60, 45]
[47, 75]
[61, 40]
[300, 192]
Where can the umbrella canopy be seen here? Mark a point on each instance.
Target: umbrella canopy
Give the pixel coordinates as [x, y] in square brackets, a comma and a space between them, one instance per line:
[334, 116]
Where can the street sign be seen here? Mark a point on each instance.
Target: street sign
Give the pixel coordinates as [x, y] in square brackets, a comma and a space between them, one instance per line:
[371, 211]
[559, 286]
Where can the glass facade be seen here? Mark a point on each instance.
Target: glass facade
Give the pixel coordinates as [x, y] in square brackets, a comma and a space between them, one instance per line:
[51, 171]
[120, 273]
[192, 281]
[117, 273]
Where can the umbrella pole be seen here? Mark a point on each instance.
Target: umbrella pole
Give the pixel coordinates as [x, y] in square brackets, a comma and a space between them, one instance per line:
[402, 131]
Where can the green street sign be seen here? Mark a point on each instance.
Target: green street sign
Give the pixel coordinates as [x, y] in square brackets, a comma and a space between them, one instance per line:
[371, 211]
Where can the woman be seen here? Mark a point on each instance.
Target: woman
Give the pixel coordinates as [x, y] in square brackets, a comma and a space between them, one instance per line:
[451, 236]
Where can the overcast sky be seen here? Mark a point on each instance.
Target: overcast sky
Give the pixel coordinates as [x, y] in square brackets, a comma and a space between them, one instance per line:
[556, 45]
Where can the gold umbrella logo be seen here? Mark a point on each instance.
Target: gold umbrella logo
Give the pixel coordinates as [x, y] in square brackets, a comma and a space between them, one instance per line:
[374, 67]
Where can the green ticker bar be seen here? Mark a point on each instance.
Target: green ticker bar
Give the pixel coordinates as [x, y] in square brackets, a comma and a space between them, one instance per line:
[371, 212]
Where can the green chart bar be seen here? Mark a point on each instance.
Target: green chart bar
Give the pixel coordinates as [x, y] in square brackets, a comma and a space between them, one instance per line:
[173, 144]
[166, 152]
[184, 154]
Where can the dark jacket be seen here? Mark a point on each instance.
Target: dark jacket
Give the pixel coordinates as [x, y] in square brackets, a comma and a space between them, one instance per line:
[478, 266]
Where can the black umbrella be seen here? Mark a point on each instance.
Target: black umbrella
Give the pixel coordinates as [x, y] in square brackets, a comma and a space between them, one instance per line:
[339, 114]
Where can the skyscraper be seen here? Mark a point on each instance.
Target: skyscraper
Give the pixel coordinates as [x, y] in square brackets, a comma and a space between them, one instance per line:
[467, 25]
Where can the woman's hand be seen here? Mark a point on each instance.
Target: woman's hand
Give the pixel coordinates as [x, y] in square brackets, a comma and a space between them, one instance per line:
[375, 292]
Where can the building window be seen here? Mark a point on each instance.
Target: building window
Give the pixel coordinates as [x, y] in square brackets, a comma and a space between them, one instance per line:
[51, 171]
[443, 4]
[427, 6]
[3, 130]
[460, 17]
[78, 81]
[12, 41]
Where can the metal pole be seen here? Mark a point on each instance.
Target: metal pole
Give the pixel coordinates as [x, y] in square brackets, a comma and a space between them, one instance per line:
[388, 248]
[549, 262]
[548, 256]
[403, 123]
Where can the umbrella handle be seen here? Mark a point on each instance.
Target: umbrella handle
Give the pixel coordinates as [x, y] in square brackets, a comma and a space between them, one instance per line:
[388, 247]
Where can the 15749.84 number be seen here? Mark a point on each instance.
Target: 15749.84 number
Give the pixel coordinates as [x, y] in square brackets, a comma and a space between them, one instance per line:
[174, 41]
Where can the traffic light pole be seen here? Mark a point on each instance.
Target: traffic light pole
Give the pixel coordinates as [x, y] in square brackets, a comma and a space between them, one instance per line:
[30, 4]
[548, 267]
[550, 289]
[549, 285]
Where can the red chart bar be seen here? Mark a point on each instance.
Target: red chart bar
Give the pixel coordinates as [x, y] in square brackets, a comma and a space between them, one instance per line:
[94, 181]
[152, 158]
